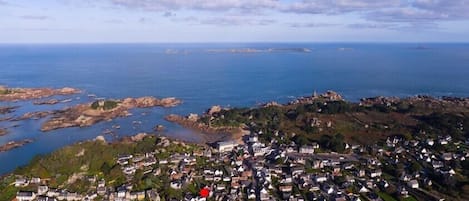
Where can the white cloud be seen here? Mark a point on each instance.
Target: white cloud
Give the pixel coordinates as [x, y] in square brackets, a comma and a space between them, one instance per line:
[35, 17]
[210, 5]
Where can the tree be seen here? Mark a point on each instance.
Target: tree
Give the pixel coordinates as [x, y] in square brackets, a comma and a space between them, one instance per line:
[415, 166]
[105, 168]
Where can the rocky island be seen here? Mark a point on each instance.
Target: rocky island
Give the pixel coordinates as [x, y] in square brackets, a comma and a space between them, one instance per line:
[20, 94]
[7, 109]
[46, 102]
[3, 131]
[14, 144]
[83, 115]
[33, 115]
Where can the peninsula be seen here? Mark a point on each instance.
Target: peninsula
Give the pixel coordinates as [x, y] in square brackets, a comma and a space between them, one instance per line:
[309, 118]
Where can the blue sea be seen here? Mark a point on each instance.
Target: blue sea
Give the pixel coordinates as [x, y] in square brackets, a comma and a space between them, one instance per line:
[202, 77]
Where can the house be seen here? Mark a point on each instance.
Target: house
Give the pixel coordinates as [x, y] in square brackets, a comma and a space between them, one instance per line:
[125, 157]
[413, 184]
[430, 142]
[35, 180]
[73, 196]
[102, 183]
[152, 195]
[363, 189]
[437, 164]
[297, 170]
[52, 192]
[447, 156]
[21, 182]
[25, 196]
[42, 190]
[306, 150]
[175, 185]
[137, 195]
[226, 146]
[360, 173]
[45, 198]
[264, 195]
[329, 189]
[251, 194]
[320, 178]
[317, 164]
[375, 173]
[253, 139]
[403, 191]
[121, 192]
[101, 190]
[315, 145]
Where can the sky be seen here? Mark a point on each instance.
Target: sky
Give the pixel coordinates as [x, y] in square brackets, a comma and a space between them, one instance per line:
[179, 21]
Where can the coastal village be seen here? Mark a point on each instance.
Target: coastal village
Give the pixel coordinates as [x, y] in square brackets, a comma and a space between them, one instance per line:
[258, 170]
[263, 164]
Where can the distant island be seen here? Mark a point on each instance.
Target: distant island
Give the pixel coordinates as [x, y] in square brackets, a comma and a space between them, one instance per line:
[20, 94]
[254, 50]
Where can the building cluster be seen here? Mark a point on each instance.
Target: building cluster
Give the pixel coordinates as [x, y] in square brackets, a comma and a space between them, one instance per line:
[256, 170]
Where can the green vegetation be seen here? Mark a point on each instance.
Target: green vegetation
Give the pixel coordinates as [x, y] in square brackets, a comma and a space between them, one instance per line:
[386, 197]
[96, 158]
[410, 198]
[365, 124]
[7, 191]
[6, 91]
[105, 105]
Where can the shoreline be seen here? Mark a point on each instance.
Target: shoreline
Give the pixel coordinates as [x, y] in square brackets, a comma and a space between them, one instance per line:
[235, 133]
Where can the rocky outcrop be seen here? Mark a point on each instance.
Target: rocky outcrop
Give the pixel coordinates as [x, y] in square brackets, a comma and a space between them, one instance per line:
[14, 144]
[3, 131]
[7, 109]
[214, 109]
[201, 127]
[150, 102]
[328, 96]
[33, 115]
[46, 102]
[84, 115]
[20, 94]
[272, 104]
[159, 128]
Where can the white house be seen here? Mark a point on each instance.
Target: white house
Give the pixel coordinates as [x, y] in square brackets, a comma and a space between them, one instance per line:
[413, 184]
[20, 182]
[320, 178]
[176, 185]
[25, 196]
[226, 146]
[42, 190]
[306, 150]
[375, 173]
